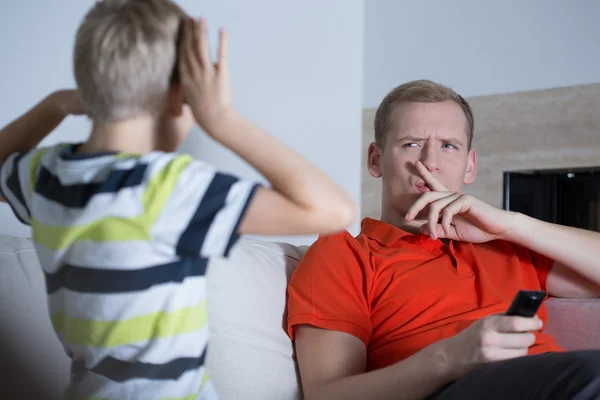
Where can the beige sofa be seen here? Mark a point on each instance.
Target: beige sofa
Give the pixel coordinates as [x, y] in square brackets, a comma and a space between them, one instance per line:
[250, 356]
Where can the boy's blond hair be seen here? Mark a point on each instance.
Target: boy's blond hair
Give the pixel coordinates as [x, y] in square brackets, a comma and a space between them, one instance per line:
[420, 91]
[125, 57]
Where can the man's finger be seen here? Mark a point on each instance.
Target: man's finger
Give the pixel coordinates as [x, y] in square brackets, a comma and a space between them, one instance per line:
[429, 179]
[422, 202]
[506, 354]
[521, 340]
[440, 232]
[512, 324]
[435, 208]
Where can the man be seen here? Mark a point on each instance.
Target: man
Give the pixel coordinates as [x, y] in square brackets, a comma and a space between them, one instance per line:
[413, 307]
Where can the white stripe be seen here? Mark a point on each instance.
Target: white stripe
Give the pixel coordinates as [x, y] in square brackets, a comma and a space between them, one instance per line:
[73, 172]
[133, 254]
[90, 170]
[167, 297]
[7, 169]
[226, 219]
[107, 255]
[158, 351]
[181, 206]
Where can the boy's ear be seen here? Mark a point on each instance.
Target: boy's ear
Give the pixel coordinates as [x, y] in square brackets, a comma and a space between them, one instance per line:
[175, 100]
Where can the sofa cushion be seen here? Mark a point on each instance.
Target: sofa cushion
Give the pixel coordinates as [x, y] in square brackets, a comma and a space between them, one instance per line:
[32, 360]
[250, 355]
[574, 323]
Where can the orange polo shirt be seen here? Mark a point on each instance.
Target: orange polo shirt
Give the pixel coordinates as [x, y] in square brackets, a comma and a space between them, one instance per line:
[399, 292]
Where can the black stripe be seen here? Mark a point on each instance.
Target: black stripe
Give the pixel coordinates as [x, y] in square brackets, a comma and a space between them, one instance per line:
[235, 234]
[121, 371]
[213, 201]
[95, 280]
[78, 195]
[13, 184]
[69, 153]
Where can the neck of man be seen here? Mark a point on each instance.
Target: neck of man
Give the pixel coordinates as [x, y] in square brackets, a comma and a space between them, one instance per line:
[136, 135]
[394, 217]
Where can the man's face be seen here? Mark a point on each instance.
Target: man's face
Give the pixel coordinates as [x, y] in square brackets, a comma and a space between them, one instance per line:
[433, 133]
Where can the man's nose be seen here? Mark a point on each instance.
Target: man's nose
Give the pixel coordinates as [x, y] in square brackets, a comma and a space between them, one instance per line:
[430, 159]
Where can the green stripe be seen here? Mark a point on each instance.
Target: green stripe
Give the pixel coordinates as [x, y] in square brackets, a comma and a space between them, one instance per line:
[160, 187]
[123, 156]
[92, 333]
[110, 229]
[190, 397]
[33, 166]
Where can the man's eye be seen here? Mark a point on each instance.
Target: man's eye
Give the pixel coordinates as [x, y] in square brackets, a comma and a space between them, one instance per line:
[409, 145]
[449, 146]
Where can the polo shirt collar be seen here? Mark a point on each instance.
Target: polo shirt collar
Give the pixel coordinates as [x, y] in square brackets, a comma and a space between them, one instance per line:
[383, 232]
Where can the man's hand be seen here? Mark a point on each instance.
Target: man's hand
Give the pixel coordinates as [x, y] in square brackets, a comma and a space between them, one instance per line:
[206, 85]
[67, 102]
[493, 338]
[463, 217]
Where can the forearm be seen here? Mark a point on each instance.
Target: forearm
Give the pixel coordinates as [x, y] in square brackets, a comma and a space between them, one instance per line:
[27, 131]
[578, 249]
[416, 377]
[286, 170]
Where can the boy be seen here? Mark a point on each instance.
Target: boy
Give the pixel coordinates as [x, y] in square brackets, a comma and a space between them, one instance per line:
[123, 226]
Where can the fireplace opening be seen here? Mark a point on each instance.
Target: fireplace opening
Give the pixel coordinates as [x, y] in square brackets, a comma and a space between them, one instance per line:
[568, 197]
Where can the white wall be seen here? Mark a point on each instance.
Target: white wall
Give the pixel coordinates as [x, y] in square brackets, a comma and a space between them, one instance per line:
[296, 70]
[480, 47]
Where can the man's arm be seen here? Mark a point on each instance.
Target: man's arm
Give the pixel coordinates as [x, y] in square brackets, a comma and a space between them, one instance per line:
[576, 255]
[576, 252]
[333, 364]
[27, 131]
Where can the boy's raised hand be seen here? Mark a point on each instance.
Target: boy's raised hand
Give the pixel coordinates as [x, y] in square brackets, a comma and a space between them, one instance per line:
[67, 102]
[206, 84]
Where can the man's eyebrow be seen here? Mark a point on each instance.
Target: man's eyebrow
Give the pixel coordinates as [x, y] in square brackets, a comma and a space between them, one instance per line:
[412, 138]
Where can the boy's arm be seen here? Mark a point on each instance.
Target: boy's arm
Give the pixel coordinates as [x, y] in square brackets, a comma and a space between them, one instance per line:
[27, 131]
[303, 199]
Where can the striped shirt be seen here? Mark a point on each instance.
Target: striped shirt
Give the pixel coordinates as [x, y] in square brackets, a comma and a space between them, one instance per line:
[124, 241]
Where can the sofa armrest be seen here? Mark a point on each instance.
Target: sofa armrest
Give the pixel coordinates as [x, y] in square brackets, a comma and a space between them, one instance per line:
[574, 323]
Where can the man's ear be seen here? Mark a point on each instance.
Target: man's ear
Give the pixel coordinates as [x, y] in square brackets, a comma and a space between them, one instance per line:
[374, 160]
[471, 172]
[175, 100]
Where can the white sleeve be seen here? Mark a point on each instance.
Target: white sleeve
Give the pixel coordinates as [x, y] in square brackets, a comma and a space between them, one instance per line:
[16, 186]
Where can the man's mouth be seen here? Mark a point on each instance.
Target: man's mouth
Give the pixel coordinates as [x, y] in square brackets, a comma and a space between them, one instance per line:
[423, 187]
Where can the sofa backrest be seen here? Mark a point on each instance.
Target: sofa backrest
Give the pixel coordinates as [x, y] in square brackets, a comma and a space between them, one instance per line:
[250, 355]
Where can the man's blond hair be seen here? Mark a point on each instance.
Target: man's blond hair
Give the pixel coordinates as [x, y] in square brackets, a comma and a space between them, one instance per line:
[125, 57]
[420, 91]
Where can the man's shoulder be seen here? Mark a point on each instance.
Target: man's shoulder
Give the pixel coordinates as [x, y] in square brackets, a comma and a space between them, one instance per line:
[338, 240]
[334, 247]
